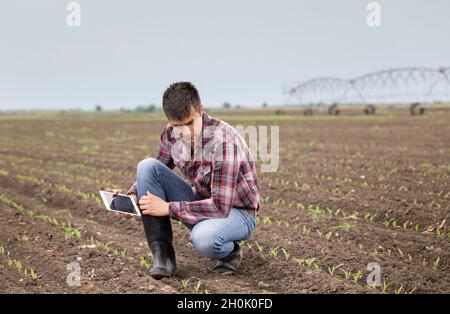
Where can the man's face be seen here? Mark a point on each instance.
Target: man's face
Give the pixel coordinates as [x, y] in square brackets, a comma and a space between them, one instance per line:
[190, 128]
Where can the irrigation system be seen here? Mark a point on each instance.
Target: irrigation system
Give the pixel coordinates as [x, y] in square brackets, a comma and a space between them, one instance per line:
[387, 87]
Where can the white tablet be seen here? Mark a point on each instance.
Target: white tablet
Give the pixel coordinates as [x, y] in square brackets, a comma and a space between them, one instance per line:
[120, 203]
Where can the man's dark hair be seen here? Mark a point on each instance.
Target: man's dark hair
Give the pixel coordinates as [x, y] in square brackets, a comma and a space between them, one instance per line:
[178, 99]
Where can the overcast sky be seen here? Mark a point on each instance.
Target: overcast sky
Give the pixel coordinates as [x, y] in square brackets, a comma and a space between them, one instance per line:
[126, 52]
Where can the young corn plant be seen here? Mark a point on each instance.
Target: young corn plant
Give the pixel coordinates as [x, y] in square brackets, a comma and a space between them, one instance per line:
[197, 286]
[306, 230]
[436, 263]
[259, 247]
[274, 251]
[4, 199]
[286, 254]
[300, 261]
[185, 282]
[346, 273]
[33, 274]
[357, 276]
[399, 290]
[405, 224]
[18, 265]
[143, 262]
[385, 285]
[309, 262]
[317, 267]
[333, 269]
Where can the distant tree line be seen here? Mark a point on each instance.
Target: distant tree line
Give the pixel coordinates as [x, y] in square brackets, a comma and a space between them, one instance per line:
[227, 105]
[140, 108]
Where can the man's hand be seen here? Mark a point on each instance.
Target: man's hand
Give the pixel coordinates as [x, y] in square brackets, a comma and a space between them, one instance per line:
[153, 205]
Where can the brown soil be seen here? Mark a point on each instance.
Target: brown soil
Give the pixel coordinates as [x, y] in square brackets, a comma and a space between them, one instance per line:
[350, 190]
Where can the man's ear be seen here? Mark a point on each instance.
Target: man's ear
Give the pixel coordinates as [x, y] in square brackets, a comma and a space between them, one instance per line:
[201, 109]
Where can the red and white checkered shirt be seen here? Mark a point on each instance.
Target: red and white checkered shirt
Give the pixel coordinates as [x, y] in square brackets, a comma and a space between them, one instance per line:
[222, 173]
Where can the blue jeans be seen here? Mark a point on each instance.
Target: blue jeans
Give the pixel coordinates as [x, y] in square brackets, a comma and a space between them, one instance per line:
[214, 237]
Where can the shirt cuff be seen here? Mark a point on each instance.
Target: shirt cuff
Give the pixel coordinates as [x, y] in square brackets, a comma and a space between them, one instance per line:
[174, 210]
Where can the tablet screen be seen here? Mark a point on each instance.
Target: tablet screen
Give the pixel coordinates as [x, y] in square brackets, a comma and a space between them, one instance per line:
[120, 203]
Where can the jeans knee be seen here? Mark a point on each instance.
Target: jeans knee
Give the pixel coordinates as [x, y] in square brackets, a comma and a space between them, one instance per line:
[147, 166]
[205, 243]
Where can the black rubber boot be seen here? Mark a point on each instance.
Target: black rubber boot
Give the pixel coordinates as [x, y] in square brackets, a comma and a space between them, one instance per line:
[230, 264]
[158, 231]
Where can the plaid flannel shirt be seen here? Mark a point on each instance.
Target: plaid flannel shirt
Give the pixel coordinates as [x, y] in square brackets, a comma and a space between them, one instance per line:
[223, 177]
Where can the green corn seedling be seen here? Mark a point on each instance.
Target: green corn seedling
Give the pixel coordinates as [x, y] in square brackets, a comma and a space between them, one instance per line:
[333, 269]
[410, 258]
[436, 263]
[286, 254]
[34, 274]
[185, 282]
[197, 286]
[385, 285]
[346, 273]
[274, 251]
[300, 261]
[405, 225]
[306, 230]
[399, 290]
[357, 276]
[309, 262]
[144, 263]
[259, 247]
[317, 267]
